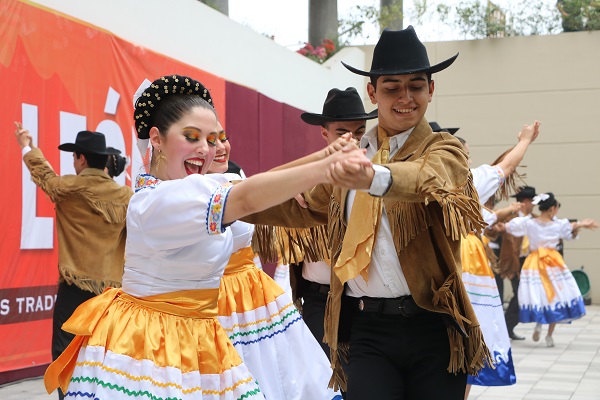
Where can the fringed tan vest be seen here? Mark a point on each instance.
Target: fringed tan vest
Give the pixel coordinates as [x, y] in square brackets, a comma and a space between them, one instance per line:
[431, 204]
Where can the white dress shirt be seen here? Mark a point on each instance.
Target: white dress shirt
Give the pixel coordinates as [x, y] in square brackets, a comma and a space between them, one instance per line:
[318, 271]
[386, 278]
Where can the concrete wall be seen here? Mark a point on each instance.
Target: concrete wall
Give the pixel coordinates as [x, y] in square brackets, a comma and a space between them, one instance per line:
[497, 85]
[494, 87]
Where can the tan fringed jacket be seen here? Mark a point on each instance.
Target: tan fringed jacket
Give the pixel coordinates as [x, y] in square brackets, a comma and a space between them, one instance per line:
[430, 204]
[90, 220]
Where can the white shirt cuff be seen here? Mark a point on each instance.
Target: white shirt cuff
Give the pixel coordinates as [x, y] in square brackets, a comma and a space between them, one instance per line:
[381, 181]
[25, 150]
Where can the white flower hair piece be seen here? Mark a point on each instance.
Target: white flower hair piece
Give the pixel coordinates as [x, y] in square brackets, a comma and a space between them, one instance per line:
[142, 144]
[138, 93]
[540, 197]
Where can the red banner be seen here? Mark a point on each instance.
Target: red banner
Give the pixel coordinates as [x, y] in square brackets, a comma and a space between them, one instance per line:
[58, 76]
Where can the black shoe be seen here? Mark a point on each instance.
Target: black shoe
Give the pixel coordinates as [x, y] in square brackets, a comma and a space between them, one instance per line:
[514, 336]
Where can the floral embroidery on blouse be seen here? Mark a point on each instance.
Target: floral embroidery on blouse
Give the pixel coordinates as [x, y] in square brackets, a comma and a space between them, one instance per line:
[216, 208]
[500, 175]
[143, 181]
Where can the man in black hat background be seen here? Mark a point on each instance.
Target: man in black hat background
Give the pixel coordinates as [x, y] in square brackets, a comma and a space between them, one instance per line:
[343, 113]
[397, 305]
[90, 219]
[435, 127]
[513, 252]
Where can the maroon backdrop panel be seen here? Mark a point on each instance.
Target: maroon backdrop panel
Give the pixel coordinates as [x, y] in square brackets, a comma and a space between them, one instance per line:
[265, 133]
[242, 126]
[271, 133]
[301, 138]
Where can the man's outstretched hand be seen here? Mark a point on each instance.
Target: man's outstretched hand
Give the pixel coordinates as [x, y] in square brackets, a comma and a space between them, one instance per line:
[23, 137]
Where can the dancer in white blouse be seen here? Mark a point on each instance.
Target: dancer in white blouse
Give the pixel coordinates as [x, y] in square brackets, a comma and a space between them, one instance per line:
[477, 273]
[548, 293]
[261, 320]
[159, 336]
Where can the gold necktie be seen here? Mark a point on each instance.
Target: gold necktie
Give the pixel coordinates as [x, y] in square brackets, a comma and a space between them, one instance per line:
[363, 224]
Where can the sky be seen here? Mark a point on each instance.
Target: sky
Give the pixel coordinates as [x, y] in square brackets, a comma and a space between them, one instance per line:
[287, 20]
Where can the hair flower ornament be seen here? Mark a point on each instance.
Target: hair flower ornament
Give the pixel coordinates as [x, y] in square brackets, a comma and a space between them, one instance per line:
[142, 144]
[540, 197]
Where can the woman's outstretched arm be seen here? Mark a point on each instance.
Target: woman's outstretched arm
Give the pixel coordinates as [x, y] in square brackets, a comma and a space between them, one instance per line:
[268, 189]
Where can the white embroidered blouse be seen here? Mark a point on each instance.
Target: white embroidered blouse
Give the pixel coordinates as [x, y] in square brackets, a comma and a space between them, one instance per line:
[540, 234]
[175, 236]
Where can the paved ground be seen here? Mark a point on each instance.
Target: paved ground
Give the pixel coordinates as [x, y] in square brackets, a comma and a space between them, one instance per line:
[568, 371]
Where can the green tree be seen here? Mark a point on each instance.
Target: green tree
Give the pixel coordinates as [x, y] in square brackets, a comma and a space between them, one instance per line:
[477, 19]
[579, 15]
[388, 15]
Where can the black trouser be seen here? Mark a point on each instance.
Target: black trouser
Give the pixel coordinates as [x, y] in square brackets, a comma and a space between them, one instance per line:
[314, 300]
[313, 313]
[68, 298]
[394, 357]
[512, 311]
[500, 284]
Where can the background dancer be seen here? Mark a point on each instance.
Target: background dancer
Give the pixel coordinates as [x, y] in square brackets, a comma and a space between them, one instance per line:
[548, 293]
[90, 222]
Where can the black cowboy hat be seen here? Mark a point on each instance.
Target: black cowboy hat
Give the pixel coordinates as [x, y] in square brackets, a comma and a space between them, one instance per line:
[400, 53]
[88, 142]
[340, 105]
[525, 192]
[437, 128]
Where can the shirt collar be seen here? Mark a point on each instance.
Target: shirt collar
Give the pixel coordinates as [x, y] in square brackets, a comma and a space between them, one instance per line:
[396, 141]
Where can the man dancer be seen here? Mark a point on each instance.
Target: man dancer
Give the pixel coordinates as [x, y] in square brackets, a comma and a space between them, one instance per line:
[513, 252]
[397, 304]
[90, 219]
[343, 113]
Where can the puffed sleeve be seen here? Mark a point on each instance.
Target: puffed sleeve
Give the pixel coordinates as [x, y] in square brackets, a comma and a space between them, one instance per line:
[490, 218]
[487, 179]
[180, 212]
[517, 226]
[566, 230]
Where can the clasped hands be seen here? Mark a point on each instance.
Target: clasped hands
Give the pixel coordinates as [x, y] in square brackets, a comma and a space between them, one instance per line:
[348, 166]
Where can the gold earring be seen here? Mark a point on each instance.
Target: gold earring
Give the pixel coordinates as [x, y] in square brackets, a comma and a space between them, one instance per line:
[160, 158]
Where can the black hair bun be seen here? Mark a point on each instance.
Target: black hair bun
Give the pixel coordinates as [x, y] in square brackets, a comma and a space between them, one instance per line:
[160, 89]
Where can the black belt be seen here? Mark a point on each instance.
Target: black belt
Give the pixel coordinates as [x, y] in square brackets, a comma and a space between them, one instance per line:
[314, 287]
[404, 306]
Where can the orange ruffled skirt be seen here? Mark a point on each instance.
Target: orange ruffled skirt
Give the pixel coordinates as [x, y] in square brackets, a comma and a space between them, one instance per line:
[479, 281]
[169, 346]
[270, 335]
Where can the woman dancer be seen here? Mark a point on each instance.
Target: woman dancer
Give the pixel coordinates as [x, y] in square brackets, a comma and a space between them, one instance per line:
[548, 293]
[158, 336]
[477, 273]
[261, 320]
